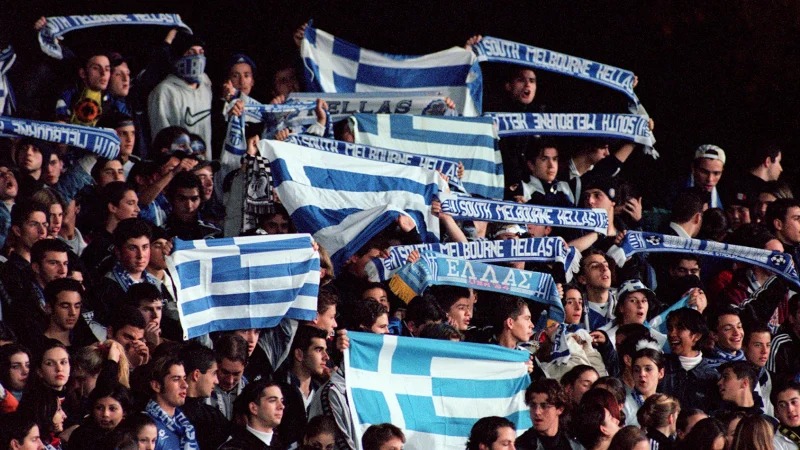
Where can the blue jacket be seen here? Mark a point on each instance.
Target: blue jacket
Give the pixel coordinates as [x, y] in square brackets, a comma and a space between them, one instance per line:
[696, 388]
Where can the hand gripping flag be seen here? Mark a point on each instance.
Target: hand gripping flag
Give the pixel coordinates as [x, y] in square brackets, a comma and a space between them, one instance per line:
[244, 282]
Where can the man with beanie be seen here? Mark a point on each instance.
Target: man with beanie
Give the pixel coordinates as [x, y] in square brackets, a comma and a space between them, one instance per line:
[184, 97]
[709, 162]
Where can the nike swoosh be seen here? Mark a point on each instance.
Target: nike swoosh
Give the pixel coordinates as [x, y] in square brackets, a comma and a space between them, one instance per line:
[193, 119]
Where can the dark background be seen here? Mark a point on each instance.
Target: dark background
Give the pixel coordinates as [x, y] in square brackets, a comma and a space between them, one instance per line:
[720, 72]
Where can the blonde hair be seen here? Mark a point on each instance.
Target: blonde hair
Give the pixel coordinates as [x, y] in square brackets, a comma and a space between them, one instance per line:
[325, 263]
[90, 359]
[656, 410]
[753, 433]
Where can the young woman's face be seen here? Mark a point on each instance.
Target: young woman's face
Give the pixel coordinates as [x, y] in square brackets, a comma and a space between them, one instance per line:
[646, 375]
[146, 437]
[59, 418]
[20, 368]
[107, 413]
[55, 368]
[573, 306]
[322, 441]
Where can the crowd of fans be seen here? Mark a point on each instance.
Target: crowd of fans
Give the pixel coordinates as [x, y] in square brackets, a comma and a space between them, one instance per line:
[92, 354]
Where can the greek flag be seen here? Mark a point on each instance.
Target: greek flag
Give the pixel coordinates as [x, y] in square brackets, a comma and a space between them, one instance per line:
[470, 140]
[344, 201]
[434, 390]
[335, 65]
[244, 282]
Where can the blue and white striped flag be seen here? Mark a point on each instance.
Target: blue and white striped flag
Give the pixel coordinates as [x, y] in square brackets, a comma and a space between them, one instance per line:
[244, 282]
[471, 140]
[434, 390]
[335, 65]
[344, 201]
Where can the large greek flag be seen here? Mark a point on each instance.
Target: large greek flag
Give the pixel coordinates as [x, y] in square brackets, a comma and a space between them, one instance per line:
[344, 201]
[434, 390]
[335, 65]
[471, 140]
[244, 282]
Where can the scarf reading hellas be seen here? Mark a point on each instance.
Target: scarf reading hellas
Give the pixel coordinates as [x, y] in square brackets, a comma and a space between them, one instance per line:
[447, 168]
[437, 269]
[59, 26]
[634, 242]
[629, 127]
[101, 141]
[543, 250]
[467, 208]
[492, 49]
[342, 105]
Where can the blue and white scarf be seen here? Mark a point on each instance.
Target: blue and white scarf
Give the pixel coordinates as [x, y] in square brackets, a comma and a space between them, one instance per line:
[121, 276]
[779, 263]
[629, 127]
[445, 167]
[545, 250]
[101, 141]
[437, 269]
[59, 26]
[492, 49]
[7, 101]
[718, 357]
[462, 208]
[343, 105]
[277, 117]
[560, 354]
[178, 424]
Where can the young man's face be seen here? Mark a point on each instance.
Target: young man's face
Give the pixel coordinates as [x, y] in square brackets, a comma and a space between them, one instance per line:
[285, 82]
[126, 337]
[545, 166]
[230, 374]
[544, 414]
[173, 387]
[729, 333]
[522, 326]
[251, 337]
[376, 295]
[127, 139]
[757, 349]
[241, 77]
[66, 310]
[596, 272]
[30, 159]
[112, 171]
[775, 168]
[327, 320]
[120, 83]
[206, 381]
[159, 250]
[315, 357]
[788, 408]
[53, 171]
[33, 229]
[8, 184]
[206, 176]
[460, 313]
[54, 265]
[729, 386]
[268, 412]
[127, 208]
[277, 224]
[135, 254]
[685, 267]
[522, 88]
[151, 310]
[707, 172]
[96, 73]
[186, 203]
[788, 229]
[596, 198]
